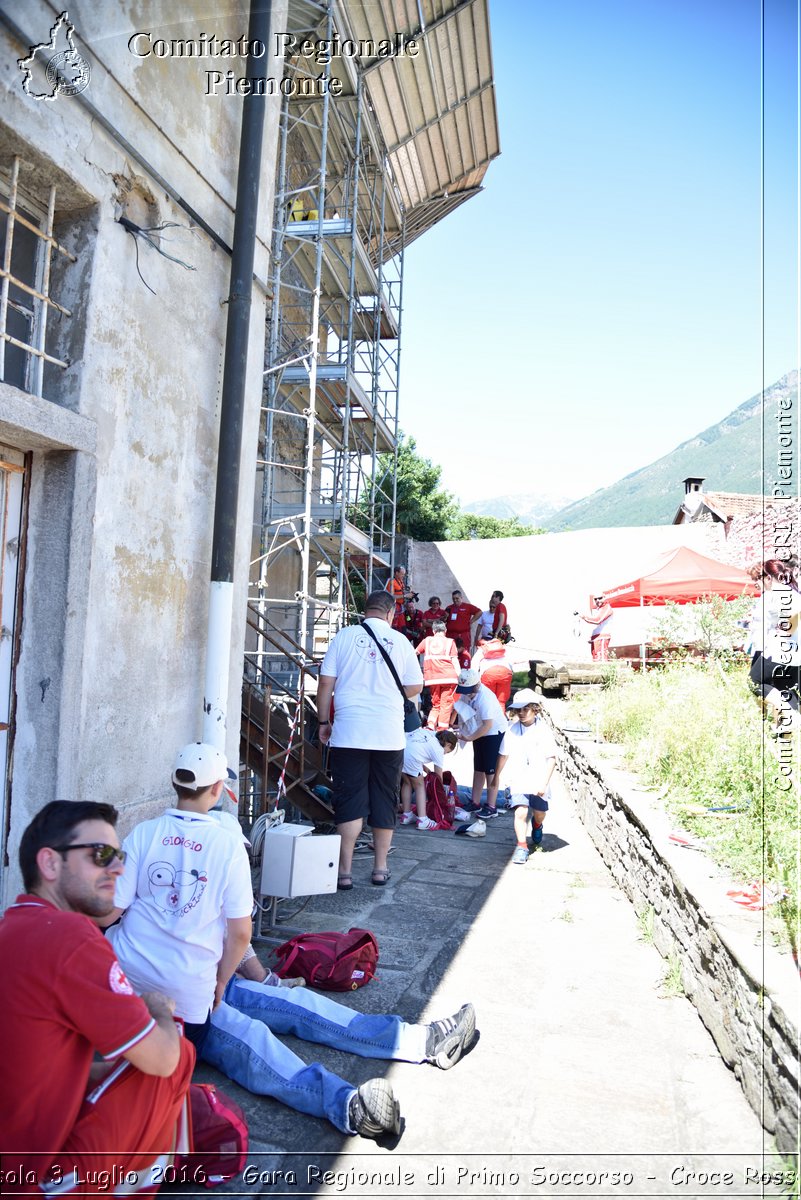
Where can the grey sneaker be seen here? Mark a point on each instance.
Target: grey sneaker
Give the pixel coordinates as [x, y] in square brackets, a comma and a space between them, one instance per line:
[520, 855]
[373, 1109]
[447, 1040]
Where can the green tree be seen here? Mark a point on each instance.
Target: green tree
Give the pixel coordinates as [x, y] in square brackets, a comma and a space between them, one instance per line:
[424, 510]
[470, 525]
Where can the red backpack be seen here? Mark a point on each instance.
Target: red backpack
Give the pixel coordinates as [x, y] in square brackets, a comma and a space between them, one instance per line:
[333, 962]
[219, 1138]
[439, 805]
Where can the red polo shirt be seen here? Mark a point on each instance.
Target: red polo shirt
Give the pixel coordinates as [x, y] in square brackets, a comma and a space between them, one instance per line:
[63, 995]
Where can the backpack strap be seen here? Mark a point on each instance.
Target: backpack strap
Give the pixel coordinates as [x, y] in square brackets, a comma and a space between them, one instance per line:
[387, 660]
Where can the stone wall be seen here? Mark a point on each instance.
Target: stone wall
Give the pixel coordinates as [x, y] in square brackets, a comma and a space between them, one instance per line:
[747, 993]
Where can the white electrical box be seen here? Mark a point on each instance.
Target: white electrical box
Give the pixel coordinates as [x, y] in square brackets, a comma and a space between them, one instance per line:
[294, 863]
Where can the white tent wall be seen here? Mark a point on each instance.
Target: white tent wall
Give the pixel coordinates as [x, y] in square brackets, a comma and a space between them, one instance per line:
[546, 577]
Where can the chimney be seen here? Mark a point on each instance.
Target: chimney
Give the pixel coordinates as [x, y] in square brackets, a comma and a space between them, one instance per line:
[692, 484]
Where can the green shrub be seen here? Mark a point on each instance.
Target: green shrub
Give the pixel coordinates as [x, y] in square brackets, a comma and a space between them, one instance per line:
[695, 731]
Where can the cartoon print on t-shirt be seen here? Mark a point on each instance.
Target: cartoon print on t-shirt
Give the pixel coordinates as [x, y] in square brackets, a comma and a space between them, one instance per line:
[367, 649]
[175, 891]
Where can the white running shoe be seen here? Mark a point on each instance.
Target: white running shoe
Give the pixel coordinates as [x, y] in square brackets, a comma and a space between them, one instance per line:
[426, 823]
[408, 818]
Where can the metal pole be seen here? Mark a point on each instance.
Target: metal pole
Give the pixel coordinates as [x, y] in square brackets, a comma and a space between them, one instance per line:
[218, 652]
[306, 635]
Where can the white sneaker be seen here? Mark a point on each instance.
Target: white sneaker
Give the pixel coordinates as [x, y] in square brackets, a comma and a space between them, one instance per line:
[426, 823]
[408, 818]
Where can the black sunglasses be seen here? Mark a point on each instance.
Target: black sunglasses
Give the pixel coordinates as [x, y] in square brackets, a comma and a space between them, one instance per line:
[103, 855]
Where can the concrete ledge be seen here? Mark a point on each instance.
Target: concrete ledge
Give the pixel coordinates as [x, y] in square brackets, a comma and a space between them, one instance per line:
[747, 993]
[36, 424]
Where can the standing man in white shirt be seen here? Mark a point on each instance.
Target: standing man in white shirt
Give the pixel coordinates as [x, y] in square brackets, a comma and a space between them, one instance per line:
[367, 737]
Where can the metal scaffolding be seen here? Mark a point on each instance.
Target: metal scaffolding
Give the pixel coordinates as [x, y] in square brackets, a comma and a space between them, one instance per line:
[363, 168]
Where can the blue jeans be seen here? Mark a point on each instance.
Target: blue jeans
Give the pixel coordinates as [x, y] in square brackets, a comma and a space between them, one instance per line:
[241, 1044]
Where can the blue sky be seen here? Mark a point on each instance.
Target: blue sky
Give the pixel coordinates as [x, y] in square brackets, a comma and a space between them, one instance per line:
[601, 300]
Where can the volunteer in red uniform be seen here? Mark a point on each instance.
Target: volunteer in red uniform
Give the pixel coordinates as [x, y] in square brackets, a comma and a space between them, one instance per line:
[64, 1122]
[460, 617]
[440, 672]
[412, 622]
[434, 612]
[500, 617]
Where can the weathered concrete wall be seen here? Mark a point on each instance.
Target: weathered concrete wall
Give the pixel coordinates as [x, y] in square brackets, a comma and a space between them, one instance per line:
[746, 993]
[122, 499]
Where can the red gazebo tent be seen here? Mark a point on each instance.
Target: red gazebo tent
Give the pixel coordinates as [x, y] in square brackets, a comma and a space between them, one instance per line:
[683, 576]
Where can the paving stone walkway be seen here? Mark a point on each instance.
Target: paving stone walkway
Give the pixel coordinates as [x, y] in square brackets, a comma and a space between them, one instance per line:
[589, 1078]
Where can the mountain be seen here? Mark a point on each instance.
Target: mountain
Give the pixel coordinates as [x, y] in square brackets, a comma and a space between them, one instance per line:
[530, 509]
[728, 456]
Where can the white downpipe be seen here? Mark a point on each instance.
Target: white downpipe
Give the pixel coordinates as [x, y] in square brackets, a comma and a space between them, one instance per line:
[218, 664]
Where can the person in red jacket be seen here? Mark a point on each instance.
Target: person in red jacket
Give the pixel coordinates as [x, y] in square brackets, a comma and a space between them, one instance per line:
[462, 653]
[412, 624]
[434, 612]
[460, 617]
[500, 617]
[440, 672]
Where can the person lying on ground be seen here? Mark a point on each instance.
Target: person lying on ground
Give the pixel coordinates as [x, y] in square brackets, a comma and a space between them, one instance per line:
[314, 1017]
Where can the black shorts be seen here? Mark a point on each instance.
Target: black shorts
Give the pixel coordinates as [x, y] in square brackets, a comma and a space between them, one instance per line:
[366, 785]
[767, 675]
[485, 753]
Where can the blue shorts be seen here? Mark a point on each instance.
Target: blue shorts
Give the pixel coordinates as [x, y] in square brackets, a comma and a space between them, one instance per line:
[529, 800]
[485, 753]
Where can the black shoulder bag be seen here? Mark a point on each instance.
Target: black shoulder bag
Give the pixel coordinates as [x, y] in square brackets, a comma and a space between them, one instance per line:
[411, 716]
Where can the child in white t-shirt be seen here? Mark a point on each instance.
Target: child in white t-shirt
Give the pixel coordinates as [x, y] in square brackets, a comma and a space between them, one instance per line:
[526, 761]
[423, 748]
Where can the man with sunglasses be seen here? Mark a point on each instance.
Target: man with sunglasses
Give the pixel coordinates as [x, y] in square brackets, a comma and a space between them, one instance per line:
[599, 618]
[64, 1122]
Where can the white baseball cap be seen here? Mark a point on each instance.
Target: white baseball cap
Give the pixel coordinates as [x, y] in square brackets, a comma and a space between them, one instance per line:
[468, 681]
[200, 765]
[523, 697]
[477, 829]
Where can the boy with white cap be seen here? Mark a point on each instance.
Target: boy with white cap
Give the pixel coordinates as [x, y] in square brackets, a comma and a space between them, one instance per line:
[185, 901]
[481, 721]
[527, 759]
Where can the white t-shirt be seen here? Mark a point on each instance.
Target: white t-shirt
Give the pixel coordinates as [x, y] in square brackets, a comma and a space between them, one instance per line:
[484, 624]
[422, 749]
[484, 706]
[368, 707]
[186, 874]
[527, 748]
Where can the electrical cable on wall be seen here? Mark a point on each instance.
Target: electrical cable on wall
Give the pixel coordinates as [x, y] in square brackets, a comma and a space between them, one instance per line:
[139, 231]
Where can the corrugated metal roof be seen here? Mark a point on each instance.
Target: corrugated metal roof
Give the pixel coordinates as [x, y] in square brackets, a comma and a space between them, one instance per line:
[435, 113]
